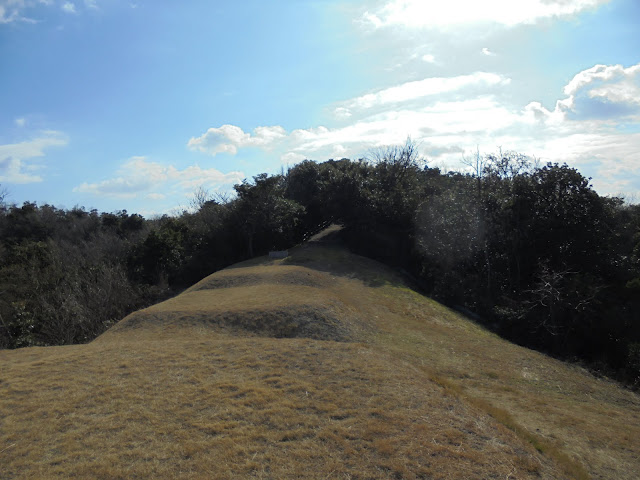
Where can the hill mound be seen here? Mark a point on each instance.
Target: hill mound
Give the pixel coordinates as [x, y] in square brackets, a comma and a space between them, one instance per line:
[321, 365]
[275, 301]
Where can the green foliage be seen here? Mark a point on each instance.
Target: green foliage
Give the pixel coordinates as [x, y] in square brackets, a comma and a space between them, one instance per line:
[268, 219]
[634, 285]
[162, 253]
[62, 279]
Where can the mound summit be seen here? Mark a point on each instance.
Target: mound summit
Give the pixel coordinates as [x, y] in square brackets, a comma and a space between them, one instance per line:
[320, 365]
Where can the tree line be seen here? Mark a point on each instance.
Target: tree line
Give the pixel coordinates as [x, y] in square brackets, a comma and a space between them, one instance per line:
[530, 250]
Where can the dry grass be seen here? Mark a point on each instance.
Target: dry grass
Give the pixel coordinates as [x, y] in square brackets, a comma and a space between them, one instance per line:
[201, 386]
[589, 426]
[272, 310]
[225, 408]
[263, 274]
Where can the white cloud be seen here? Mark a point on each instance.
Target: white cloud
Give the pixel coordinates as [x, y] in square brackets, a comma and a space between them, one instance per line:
[610, 157]
[15, 10]
[535, 112]
[602, 93]
[139, 176]
[194, 176]
[446, 126]
[429, 58]
[379, 118]
[291, 158]
[426, 87]
[228, 138]
[614, 155]
[16, 160]
[342, 113]
[69, 7]
[20, 122]
[599, 72]
[120, 187]
[374, 20]
[487, 52]
[451, 13]
[11, 10]
[447, 116]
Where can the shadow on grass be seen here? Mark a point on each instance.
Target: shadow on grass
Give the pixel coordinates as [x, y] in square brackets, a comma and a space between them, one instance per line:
[328, 253]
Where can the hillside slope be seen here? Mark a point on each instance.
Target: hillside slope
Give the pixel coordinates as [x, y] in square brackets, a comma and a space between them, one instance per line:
[321, 365]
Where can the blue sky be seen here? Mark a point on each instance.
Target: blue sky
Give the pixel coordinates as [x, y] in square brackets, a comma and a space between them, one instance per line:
[134, 105]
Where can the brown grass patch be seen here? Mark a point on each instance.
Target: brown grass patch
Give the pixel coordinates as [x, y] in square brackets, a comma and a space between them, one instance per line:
[263, 274]
[273, 310]
[561, 410]
[231, 408]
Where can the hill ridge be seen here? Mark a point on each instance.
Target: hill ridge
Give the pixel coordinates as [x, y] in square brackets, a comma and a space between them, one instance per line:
[321, 365]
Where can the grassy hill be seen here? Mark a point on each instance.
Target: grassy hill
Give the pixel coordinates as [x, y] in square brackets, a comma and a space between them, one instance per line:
[321, 365]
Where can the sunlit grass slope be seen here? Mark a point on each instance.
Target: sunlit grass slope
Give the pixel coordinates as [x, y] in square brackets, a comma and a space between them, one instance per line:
[321, 365]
